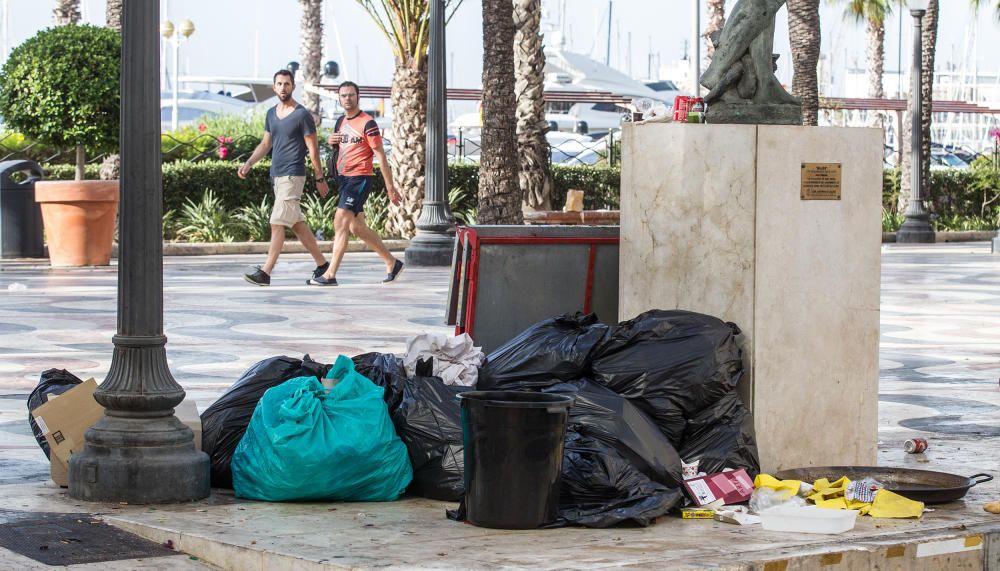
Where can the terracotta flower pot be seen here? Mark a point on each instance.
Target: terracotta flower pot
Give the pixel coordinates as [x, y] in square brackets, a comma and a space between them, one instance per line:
[79, 220]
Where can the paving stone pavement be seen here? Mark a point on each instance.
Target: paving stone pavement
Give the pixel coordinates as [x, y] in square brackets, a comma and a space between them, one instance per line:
[940, 342]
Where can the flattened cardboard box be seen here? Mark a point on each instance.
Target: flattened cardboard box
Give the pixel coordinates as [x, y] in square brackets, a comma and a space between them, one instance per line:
[65, 419]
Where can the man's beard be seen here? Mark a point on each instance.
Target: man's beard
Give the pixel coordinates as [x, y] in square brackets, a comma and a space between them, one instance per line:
[284, 98]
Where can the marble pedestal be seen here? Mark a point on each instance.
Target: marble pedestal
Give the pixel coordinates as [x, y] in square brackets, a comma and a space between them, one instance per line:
[712, 220]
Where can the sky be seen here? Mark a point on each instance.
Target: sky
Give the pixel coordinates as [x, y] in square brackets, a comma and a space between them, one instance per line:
[257, 37]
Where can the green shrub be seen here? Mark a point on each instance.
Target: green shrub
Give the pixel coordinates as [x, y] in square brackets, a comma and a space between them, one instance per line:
[207, 220]
[61, 87]
[254, 220]
[319, 213]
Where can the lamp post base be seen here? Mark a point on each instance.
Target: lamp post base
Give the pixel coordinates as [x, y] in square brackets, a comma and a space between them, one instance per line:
[915, 230]
[139, 461]
[430, 248]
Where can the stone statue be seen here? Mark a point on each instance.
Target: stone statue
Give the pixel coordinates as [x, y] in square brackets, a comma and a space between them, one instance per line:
[741, 82]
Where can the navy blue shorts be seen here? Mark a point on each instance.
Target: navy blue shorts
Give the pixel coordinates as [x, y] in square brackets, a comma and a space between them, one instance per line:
[353, 192]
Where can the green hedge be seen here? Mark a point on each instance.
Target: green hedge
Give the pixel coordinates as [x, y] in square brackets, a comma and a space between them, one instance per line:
[958, 199]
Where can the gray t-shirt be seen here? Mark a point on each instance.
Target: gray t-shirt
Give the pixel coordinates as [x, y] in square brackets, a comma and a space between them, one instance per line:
[288, 148]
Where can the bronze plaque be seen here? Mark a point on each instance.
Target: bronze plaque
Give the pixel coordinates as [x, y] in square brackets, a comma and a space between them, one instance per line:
[820, 181]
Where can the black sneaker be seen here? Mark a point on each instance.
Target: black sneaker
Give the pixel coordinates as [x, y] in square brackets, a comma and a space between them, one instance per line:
[320, 270]
[258, 277]
[397, 269]
[321, 281]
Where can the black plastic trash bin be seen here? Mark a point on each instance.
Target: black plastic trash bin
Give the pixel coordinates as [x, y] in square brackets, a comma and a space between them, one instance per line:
[20, 216]
[513, 457]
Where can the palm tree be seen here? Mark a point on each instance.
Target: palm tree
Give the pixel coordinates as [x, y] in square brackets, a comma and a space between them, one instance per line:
[804, 37]
[67, 12]
[311, 52]
[499, 192]
[405, 24]
[928, 48]
[873, 13]
[716, 20]
[113, 15]
[529, 86]
[977, 4]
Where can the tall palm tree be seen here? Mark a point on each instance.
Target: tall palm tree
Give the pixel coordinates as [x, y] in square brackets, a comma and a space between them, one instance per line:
[311, 52]
[977, 4]
[873, 13]
[716, 20]
[67, 12]
[499, 191]
[928, 48]
[529, 86]
[405, 24]
[113, 15]
[804, 37]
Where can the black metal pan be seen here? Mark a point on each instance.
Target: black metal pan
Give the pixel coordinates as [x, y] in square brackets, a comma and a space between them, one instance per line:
[920, 485]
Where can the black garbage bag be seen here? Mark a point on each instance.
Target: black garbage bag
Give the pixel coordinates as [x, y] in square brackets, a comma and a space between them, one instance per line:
[600, 488]
[553, 350]
[672, 364]
[611, 419]
[385, 370]
[224, 423]
[429, 421]
[722, 436]
[51, 382]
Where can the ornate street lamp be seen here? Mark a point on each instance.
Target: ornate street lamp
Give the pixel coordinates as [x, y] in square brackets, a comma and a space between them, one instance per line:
[184, 31]
[435, 240]
[917, 228]
[139, 452]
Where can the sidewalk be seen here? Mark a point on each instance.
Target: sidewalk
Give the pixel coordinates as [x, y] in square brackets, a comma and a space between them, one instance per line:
[939, 380]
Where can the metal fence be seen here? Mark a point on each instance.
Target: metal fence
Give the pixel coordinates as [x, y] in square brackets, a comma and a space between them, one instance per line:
[566, 148]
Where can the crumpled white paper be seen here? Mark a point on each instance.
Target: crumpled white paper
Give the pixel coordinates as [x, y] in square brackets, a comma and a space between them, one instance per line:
[456, 359]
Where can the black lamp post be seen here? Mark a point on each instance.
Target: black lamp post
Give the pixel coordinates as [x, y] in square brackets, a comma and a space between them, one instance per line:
[435, 240]
[139, 452]
[917, 228]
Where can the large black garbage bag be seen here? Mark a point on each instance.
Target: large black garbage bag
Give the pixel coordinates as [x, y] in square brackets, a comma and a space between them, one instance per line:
[51, 382]
[600, 488]
[429, 421]
[722, 436]
[385, 370]
[553, 350]
[672, 364]
[611, 419]
[224, 423]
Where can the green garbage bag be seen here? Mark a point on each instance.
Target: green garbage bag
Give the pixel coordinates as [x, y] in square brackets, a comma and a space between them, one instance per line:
[308, 443]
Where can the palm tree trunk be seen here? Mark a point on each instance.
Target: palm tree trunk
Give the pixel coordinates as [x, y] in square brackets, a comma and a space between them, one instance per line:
[716, 20]
[499, 191]
[529, 86]
[409, 132]
[876, 57]
[928, 43]
[804, 37]
[311, 52]
[67, 12]
[113, 15]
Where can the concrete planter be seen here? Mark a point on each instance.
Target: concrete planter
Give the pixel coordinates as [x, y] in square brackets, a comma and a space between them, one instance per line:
[79, 220]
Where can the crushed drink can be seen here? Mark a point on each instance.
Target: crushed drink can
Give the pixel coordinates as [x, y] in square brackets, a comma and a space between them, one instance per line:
[915, 445]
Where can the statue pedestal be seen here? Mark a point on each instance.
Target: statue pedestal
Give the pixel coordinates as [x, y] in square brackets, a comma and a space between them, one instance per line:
[712, 220]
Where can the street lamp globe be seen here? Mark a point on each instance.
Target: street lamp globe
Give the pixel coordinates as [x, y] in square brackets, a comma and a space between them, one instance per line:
[186, 28]
[918, 5]
[167, 29]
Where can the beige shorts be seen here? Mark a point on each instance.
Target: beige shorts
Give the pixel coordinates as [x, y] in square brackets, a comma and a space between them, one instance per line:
[287, 200]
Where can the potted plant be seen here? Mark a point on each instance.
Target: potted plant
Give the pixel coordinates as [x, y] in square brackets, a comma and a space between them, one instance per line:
[61, 88]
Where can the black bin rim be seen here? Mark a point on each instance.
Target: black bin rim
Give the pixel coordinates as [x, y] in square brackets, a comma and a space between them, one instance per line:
[518, 399]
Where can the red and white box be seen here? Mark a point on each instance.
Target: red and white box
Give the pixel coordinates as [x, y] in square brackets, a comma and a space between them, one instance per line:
[731, 487]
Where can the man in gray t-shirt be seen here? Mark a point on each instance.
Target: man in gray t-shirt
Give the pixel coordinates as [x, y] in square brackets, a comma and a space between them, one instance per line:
[289, 133]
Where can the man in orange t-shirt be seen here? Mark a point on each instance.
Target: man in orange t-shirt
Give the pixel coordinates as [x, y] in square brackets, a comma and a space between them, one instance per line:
[357, 141]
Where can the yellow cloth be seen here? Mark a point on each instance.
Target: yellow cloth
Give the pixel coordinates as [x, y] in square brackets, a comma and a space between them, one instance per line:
[788, 488]
[887, 504]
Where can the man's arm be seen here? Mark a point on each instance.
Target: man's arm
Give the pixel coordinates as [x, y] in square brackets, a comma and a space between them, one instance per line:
[258, 154]
[321, 185]
[383, 167]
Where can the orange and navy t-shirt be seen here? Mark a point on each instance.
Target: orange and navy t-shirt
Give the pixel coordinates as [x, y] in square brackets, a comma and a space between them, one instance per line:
[354, 158]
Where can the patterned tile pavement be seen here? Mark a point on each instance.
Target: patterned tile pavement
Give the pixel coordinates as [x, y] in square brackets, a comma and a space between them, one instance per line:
[939, 352]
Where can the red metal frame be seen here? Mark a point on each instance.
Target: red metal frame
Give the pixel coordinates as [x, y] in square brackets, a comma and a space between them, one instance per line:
[472, 271]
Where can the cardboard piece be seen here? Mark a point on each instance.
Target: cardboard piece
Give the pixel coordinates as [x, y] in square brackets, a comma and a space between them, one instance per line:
[731, 487]
[64, 421]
